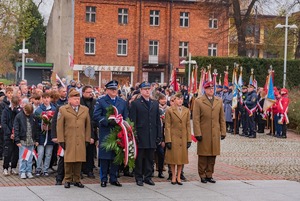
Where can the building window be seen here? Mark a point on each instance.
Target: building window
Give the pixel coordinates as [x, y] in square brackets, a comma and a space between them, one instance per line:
[213, 23]
[90, 14]
[122, 47]
[183, 49]
[154, 17]
[184, 19]
[123, 16]
[153, 48]
[212, 49]
[90, 45]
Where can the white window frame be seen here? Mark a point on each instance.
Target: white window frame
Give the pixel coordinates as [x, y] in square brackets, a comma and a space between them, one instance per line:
[123, 15]
[182, 47]
[152, 45]
[91, 43]
[154, 15]
[89, 11]
[121, 44]
[213, 22]
[183, 17]
[212, 49]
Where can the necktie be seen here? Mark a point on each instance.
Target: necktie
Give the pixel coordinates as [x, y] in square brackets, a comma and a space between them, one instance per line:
[113, 101]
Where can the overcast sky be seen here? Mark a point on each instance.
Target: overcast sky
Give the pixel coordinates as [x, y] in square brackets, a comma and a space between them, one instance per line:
[272, 8]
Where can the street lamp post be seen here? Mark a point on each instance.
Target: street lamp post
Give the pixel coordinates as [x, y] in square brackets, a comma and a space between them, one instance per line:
[190, 61]
[286, 26]
[23, 51]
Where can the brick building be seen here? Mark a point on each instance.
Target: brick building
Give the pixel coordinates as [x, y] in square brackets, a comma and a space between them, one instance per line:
[137, 40]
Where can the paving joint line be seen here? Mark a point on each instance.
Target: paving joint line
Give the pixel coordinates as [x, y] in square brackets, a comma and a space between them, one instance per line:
[34, 193]
[98, 193]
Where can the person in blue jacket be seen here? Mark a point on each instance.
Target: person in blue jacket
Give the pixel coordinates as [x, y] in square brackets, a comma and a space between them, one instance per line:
[105, 125]
[45, 138]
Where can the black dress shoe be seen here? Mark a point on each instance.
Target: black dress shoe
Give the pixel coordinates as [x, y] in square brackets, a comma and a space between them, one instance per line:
[182, 177]
[150, 182]
[203, 180]
[103, 184]
[58, 183]
[116, 183]
[179, 183]
[139, 183]
[210, 180]
[91, 175]
[170, 177]
[173, 183]
[161, 175]
[67, 184]
[79, 184]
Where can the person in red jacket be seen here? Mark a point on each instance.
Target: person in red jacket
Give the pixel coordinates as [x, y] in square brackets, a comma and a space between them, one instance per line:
[283, 120]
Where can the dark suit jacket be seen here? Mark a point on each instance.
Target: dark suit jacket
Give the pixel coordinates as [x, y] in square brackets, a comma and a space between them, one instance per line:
[147, 122]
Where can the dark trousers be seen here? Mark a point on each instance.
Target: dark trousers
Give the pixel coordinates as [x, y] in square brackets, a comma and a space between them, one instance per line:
[245, 122]
[261, 123]
[252, 125]
[1, 142]
[108, 167]
[160, 152]
[54, 156]
[88, 166]
[11, 154]
[60, 169]
[206, 165]
[72, 171]
[144, 164]
[284, 129]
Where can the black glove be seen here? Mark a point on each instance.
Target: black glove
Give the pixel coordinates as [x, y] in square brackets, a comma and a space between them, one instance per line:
[189, 144]
[199, 138]
[112, 123]
[158, 141]
[87, 144]
[222, 137]
[169, 145]
[63, 145]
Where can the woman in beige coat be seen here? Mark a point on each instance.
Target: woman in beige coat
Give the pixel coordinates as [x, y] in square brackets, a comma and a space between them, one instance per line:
[177, 137]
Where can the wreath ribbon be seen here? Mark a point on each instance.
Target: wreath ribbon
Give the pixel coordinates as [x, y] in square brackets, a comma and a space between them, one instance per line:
[126, 129]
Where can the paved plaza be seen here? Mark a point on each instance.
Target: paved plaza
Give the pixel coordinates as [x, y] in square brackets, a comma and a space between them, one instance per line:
[265, 168]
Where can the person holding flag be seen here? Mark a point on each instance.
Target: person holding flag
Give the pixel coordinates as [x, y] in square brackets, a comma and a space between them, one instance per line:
[26, 136]
[283, 119]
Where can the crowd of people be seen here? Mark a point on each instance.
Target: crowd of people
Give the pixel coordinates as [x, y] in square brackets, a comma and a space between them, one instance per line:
[39, 123]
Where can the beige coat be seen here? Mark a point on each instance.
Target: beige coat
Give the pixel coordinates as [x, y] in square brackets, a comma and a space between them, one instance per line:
[178, 132]
[209, 122]
[74, 129]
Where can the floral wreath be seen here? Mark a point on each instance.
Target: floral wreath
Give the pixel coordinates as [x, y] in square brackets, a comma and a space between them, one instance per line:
[121, 139]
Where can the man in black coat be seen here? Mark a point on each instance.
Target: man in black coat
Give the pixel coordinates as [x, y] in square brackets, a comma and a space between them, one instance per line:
[88, 101]
[144, 112]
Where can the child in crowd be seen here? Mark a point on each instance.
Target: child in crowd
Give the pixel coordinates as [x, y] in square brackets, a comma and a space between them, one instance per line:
[26, 137]
[11, 151]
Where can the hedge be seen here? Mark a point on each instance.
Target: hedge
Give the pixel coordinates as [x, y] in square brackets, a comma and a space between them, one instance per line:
[260, 67]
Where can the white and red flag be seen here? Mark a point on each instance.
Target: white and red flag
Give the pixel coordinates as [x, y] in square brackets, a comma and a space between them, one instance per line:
[60, 81]
[35, 155]
[26, 155]
[71, 60]
[60, 151]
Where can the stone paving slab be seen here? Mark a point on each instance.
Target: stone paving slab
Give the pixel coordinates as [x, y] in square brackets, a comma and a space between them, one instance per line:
[263, 158]
[222, 190]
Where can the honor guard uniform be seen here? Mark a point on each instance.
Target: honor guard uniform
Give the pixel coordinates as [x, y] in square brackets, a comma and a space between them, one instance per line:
[250, 106]
[243, 111]
[283, 119]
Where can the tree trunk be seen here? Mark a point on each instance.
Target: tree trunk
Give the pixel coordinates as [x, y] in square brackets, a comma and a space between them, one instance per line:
[297, 52]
